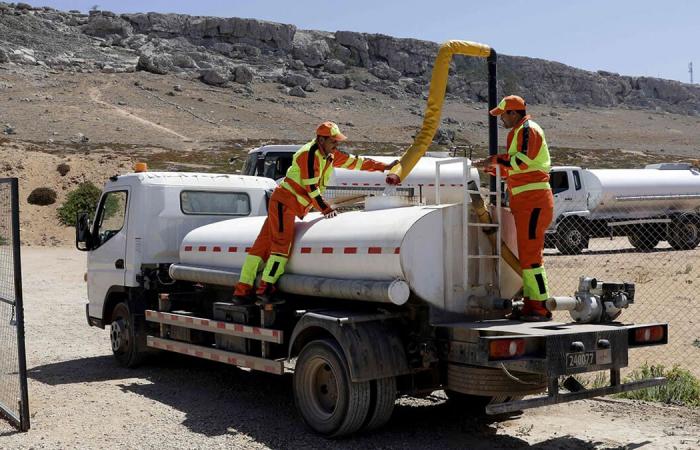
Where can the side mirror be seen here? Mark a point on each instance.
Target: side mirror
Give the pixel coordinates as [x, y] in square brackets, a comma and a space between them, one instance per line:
[83, 236]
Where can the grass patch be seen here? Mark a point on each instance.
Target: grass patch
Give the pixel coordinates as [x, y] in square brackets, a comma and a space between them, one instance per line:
[682, 387]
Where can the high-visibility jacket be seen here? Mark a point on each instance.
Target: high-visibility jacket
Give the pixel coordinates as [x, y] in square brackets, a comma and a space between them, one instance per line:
[310, 172]
[526, 165]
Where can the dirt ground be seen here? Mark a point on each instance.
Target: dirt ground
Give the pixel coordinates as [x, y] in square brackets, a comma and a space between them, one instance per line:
[80, 398]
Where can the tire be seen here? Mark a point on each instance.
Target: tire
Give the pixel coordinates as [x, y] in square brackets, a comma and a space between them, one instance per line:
[476, 404]
[571, 238]
[327, 400]
[489, 382]
[123, 337]
[643, 241]
[684, 233]
[383, 398]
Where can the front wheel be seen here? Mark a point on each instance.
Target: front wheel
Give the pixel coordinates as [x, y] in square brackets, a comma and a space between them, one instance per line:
[123, 336]
[571, 238]
[328, 401]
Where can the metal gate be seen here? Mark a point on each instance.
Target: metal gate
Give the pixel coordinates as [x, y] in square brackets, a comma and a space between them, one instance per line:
[14, 404]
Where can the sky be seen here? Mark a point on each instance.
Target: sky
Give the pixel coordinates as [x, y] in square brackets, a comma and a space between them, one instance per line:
[642, 38]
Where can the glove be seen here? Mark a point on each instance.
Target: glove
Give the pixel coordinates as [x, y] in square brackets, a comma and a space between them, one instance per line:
[392, 179]
[330, 213]
[391, 165]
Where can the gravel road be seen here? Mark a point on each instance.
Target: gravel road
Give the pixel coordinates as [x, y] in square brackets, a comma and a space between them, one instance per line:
[80, 397]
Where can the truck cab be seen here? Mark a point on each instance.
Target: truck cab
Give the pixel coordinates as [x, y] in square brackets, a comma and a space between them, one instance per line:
[269, 161]
[568, 190]
[141, 219]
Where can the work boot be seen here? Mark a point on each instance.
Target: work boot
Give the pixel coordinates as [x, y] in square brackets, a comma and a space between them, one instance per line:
[535, 311]
[266, 294]
[243, 295]
[532, 311]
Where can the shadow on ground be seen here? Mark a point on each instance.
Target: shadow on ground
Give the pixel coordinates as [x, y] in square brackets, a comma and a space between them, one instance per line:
[218, 400]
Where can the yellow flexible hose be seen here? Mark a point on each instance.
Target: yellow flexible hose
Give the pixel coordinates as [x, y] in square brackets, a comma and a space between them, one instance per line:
[436, 97]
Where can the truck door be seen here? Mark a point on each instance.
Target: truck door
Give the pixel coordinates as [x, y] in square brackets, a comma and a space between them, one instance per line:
[562, 190]
[107, 259]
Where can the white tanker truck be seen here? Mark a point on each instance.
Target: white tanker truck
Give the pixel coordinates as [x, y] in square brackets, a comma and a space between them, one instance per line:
[380, 303]
[658, 203]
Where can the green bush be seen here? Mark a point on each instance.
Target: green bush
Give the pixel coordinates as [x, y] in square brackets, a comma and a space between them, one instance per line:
[84, 198]
[63, 169]
[42, 196]
[682, 388]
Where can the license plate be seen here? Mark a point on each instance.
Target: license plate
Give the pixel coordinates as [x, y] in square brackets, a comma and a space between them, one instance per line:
[580, 359]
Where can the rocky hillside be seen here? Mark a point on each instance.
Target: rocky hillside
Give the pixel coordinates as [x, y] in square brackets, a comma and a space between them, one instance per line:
[233, 52]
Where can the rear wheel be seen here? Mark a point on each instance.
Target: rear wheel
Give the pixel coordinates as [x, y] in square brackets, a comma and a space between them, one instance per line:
[684, 233]
[383, 398]
[124, 338]
[328, 401]
[644, 238]
[473, 388]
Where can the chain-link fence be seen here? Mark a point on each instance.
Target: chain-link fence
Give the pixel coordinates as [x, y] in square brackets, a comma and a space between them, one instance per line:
[13, 371]
[650, 240]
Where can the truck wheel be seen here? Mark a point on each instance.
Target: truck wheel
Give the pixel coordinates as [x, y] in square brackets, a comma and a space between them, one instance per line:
[328, 401]
[383, 398]
[643, 241]
[684, 233]
[476, 404]
[122, 334]
[571, 238]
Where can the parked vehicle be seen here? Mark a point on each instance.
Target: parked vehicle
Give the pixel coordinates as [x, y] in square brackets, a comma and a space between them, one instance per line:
[658, 203]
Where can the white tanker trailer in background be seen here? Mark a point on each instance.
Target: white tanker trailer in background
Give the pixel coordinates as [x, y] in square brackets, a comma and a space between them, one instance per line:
[658, 203]
[375, 304]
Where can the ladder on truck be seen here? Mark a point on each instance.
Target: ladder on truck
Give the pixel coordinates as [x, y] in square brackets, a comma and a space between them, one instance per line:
[466, 205]
[172, 322]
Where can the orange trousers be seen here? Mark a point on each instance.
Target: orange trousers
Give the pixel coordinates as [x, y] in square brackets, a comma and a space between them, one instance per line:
[533, 212]
[273, 246]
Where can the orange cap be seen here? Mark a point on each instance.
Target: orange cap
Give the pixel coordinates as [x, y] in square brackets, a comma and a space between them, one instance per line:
[330, 129]
[510, 103]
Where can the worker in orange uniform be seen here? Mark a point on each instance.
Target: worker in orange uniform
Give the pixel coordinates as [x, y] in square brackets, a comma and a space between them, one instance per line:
[525, 166]
[302, 189]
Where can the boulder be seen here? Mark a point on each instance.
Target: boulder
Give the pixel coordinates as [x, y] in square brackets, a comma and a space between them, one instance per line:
[357, 44]
[338, 82]
[295, 79]
[103, 25]
[311, 48]
[382, 71]
[297, 91]
[334, 66]
[160, 64]
[183, 61]
[4, 58]
[216, 76]
[243, 74]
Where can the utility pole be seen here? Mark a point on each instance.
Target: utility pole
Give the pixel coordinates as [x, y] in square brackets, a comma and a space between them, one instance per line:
[690, 71]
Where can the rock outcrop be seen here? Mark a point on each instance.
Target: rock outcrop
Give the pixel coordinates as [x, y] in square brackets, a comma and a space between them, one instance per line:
[224, 50]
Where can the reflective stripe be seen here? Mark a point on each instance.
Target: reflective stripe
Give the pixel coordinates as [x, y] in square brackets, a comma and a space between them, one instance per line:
[535, 286]
[304, 202]
[530, 187]
[307, 181]
[358, 163]
[314, 194]
[250, 269]
[351, 159]
[502, 105]
[541, 162]
[274, 268]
